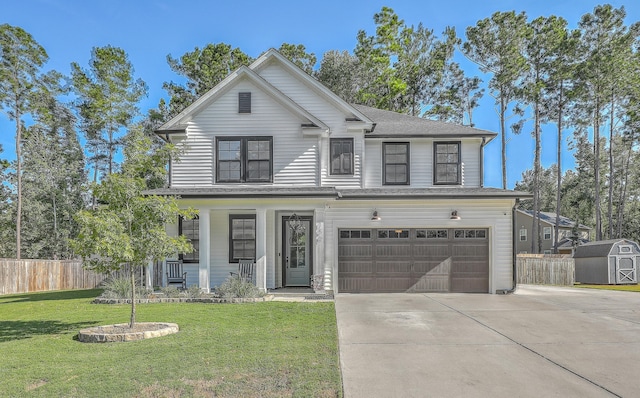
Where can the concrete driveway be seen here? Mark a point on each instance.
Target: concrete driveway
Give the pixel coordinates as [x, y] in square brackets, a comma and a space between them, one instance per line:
[538, 342]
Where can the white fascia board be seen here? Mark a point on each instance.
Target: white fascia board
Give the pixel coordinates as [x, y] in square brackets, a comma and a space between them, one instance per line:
[313, 83]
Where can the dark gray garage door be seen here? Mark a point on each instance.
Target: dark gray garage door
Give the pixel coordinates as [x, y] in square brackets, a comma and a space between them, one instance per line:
[413, 260]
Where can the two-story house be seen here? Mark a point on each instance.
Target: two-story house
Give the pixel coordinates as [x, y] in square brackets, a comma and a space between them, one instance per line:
[570, 233]
[286, 173]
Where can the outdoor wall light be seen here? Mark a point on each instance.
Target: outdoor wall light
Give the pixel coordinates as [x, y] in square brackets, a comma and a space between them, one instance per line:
[454, 215]
[375, 216]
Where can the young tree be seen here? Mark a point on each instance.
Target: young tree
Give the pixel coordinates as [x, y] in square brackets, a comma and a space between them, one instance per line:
[496, 45]
[129, 226]
[21, 58]
[108, 95]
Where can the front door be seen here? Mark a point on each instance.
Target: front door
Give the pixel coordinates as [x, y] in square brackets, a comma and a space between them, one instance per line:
[297, 250]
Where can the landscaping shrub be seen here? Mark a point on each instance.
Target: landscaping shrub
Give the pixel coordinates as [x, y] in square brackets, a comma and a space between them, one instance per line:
[170, 291]
[236, 287]
[119, 287]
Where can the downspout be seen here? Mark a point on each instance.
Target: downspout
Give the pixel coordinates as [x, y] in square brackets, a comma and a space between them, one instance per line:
[514, 257]
[169, 141]
[482, 144]
[514, 244]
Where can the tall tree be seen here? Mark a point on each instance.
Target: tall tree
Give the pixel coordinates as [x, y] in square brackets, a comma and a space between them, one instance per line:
[108, 95]
[129, 228]
[203, 69]
[605, 43]
[496, 45]
[54, 175]
[339, 71]
[298, 55]
[21, 58]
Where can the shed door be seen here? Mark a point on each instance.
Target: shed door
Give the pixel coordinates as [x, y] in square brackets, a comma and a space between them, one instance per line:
[413, 260]
[626, 269]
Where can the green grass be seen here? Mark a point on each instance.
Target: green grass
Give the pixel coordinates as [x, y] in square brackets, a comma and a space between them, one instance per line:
[272, 349]
[626, 288]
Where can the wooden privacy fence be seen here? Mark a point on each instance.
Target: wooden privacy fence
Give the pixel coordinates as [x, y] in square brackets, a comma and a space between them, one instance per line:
[539, 269]
[23, 276]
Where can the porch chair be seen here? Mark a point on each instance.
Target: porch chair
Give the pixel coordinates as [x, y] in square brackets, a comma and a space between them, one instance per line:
[246, 269]
[175, 274]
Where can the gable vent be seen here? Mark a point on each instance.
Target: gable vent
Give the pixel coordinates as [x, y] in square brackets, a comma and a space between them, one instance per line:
[244, 102]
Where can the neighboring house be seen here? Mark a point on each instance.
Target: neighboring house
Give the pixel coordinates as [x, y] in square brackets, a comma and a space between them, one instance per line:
[524, 232]
[285, 172]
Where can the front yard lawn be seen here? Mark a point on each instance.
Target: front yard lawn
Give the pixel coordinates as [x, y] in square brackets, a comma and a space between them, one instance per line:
[627, 288]
[272, 349]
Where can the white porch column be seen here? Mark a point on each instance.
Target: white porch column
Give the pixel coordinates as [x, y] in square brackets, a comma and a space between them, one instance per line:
[148, 283]
[204, 269]
[261, 249]
[319, 259]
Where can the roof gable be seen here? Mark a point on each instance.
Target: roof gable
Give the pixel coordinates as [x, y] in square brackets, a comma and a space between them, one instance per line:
[179, 122]
[272, 55]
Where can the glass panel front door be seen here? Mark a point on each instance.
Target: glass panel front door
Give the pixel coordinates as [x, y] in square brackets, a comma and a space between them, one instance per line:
[297, 252]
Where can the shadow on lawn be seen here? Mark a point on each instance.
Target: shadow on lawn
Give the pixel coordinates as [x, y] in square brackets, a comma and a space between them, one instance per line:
[18, 330]
[54, 295]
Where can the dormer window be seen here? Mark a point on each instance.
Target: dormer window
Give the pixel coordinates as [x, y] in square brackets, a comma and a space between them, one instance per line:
[244, 102]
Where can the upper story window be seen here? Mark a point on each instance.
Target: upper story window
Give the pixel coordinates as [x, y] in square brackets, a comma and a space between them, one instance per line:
[446, 163]
[395, 158]
[546, 232]
[244, 159]
[244, 102]
[191, 230]
[341, 156]
[523, 234]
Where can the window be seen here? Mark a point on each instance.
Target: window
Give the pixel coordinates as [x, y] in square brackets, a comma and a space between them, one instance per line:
[432, 233]
[523, 234]
[191, 230]
[470, 233]
[244, 102]
[355, 234]
[244, 159]
[395, 156]
[546, 232]
[242, 237]
[341, 156]
[393, 233]
[446, 163]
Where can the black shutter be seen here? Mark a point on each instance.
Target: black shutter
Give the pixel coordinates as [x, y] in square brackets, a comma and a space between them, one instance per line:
[244, 102]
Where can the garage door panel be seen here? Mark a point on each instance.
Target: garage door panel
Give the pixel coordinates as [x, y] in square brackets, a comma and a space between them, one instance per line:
[420, 260]
[393, 250]
[392, 267]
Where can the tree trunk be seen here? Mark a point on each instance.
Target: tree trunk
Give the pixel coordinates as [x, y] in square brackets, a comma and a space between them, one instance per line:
[596, 170]
[535, 238]
[556, 238]
[132, 322]
[503, 110]
[611, 169]
[19, 183]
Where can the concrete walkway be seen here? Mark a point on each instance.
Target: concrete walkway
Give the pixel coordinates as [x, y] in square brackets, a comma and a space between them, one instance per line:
[538, 342]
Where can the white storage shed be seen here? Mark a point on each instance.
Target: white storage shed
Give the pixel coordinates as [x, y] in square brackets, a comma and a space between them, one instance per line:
[608, 262]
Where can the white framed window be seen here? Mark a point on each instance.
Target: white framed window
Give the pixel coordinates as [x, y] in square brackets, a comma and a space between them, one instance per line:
[523, 235]
[546, 232]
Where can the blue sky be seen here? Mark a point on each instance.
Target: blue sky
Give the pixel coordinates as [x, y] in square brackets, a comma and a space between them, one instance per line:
[149, 30]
